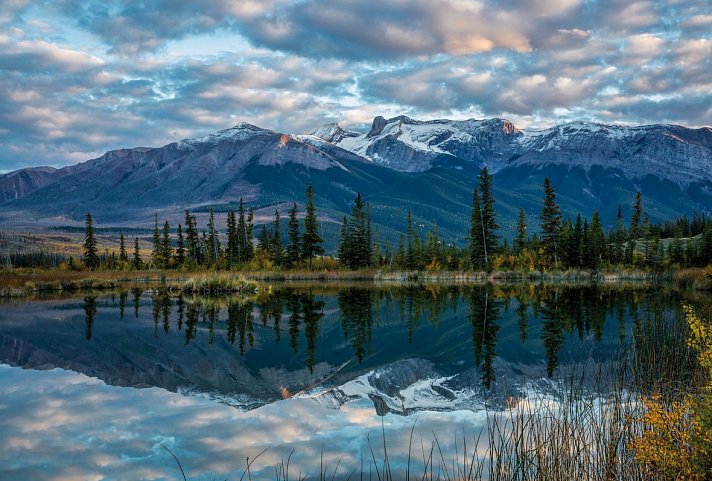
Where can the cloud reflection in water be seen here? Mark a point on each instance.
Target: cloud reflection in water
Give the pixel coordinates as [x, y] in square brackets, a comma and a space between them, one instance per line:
[60, 425]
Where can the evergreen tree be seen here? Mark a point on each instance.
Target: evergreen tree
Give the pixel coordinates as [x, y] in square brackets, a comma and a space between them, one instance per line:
[400, 257]
[180, 252]
[477, 249]
[264, 243]
[123, 257]
[91, 256]
[136, 261]
[294, 238]
[355, 242]
[191, 237]
[277, 253]
[488, 217]
[232, 250]
[520, 243]
[156, 252]
[634, 228]
[578, 241]
[249, 228]
[312, 243]
[166, 251]
[550, 223]
[597, 241]
[213, 240]
[410, 261]
[619, 239]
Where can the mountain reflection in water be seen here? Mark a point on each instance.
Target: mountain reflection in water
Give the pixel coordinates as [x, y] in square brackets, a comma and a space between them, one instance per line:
[486, 340]
[354, 363]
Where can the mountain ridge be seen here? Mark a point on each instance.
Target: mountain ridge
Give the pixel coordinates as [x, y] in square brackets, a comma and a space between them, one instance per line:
[400, 164]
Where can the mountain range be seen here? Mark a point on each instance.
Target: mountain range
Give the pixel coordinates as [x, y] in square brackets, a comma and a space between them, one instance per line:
[400, 164]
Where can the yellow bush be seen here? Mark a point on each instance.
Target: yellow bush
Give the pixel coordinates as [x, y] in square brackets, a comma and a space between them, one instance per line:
[665, 448]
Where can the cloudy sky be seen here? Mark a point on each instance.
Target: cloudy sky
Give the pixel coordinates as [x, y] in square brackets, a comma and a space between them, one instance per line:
[78, 78]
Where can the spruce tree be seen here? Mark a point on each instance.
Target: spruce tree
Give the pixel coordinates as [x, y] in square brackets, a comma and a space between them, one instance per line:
[597, 241]
[276, 253]
[520, 243]
[231, 251]
[619, 239]
[410, 247]
[136, 261]
[293, 250]
[312, 243]
[91, 257]
[249, 227]
[123, 257]
[166, 251]
[357, 233]
[635, 231]
[156, 252]
[191, 237]
[488, 217]
[241, 233]
[264, 242]
[213, 241]
[550, 223]
[476, 249]
[180, 252]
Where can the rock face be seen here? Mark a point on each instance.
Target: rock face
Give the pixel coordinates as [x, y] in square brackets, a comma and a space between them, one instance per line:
[189, 172]
[669, 152]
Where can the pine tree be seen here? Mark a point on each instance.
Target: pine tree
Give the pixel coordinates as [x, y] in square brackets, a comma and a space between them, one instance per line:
[520, 243]
[276, 247]
[475, 235]
[312, 243]
[191, 237]
[354, 245]
[488, 217]
[294, 238]
[136, 261]
[213, 240]
[91, 257]
[550, 223]
[264, 243]
[619, 239]
[249, 227]
[180, 252]
[166, 251]
[597, 241]
[156, 253]
[232, 250]
[410, 260]
[123, 257]
[635, 231]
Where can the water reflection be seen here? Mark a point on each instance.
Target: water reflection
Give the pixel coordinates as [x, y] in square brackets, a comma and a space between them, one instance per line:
[459, 338]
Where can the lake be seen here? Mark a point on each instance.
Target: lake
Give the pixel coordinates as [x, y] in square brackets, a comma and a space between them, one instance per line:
[93, 387]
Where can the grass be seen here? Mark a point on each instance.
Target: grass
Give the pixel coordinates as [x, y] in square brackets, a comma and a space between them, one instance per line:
[218, 284]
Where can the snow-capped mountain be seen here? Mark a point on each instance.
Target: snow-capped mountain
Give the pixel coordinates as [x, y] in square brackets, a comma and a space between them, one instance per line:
[669, 152]
[400, 164]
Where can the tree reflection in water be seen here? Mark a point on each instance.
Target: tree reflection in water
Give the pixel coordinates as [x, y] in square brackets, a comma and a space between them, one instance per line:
[541, 318]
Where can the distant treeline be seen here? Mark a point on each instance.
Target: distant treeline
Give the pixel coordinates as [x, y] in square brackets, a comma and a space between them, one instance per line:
[560, 243]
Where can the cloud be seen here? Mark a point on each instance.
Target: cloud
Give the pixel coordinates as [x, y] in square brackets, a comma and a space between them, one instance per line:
[62, 425]
[82, 77]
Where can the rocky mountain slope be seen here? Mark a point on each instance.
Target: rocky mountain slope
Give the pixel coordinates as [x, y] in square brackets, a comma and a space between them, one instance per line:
[428, 167]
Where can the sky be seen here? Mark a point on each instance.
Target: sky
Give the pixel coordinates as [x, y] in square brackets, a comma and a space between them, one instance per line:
[78, 78]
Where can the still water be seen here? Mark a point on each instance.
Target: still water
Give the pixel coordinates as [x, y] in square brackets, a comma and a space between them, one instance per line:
[93, 387]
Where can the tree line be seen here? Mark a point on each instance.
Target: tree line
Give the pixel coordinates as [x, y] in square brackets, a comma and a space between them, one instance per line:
[561, 243]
